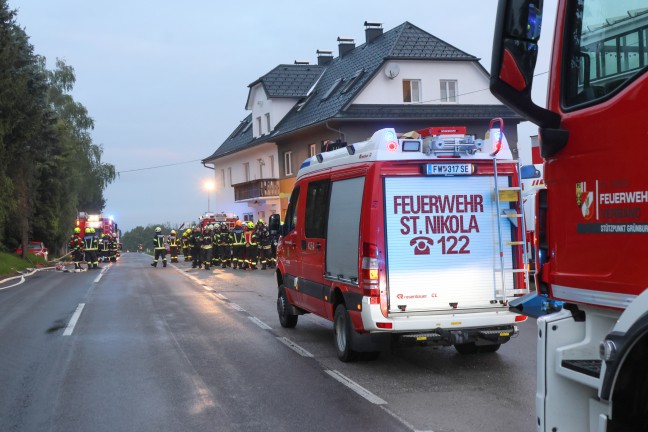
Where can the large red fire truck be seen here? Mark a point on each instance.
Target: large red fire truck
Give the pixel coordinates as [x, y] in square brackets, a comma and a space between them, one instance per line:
[592, 219]
[103, 225]
[416, 238]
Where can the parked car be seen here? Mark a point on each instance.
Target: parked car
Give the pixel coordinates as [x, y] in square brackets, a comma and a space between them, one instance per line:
[36, 248]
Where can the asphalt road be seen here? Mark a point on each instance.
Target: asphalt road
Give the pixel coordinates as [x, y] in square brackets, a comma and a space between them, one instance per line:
[181, 349]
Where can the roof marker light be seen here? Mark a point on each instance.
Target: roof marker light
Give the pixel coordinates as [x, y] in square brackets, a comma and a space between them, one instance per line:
[392, 146]
[390, 135]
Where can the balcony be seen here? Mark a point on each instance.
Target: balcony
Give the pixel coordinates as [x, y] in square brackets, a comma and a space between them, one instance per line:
[256, 189]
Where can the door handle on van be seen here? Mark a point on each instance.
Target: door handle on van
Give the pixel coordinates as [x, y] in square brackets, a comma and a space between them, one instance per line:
[289, 242]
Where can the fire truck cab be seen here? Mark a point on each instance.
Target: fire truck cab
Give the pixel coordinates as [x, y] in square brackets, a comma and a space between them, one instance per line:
[416, 238]
[592, 218]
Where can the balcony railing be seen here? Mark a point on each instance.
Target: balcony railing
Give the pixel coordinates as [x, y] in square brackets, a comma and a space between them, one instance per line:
[256, 189]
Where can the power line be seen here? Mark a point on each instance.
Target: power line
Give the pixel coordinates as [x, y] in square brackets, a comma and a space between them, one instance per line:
[472, 92]
[158, 166]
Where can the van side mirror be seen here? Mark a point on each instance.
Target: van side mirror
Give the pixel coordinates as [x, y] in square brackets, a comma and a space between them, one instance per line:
[529, 172]
[274, 224]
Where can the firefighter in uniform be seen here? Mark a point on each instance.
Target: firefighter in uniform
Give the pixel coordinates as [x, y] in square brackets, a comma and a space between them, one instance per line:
[160, 248]
[174, 246]
[186, 247]
[114, 249]
[195, 241]
[265, 244]
[76, 246]
[206, 247]
[238, 246]
[274, 235]
[90, 247]
[216, 244]
[251, 247]
[225, 246]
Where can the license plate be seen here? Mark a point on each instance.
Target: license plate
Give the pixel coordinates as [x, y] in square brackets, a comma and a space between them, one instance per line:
[448, 169]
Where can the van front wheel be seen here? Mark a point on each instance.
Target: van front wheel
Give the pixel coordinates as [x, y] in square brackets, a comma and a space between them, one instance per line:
[342, 333]
[286, 319]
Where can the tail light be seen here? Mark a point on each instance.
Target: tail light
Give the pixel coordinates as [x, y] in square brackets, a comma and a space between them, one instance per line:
[370, 270]
[374, 283]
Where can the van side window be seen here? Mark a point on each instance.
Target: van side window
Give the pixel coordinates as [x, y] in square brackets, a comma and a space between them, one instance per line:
[317, 200]
[291, 211]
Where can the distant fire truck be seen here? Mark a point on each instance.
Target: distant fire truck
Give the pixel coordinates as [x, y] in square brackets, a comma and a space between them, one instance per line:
[102, 225]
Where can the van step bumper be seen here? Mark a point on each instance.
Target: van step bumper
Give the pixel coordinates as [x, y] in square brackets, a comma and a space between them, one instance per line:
[499, 334]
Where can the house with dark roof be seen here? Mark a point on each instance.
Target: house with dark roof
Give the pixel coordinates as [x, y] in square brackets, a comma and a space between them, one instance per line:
[404, 78]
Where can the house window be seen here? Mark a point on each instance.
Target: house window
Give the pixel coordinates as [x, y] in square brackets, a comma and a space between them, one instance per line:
[268, 126]
[223, 177]
[272, 174]
[448, 91]
[411, 90]
[312, 150]
[258, 121]
[229, 175]
[288, 163]
[246, 170]
[248, 217]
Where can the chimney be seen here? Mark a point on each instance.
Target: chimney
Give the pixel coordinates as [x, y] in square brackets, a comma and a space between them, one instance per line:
[372, 30]
[302, 62]
[324, 57]
[346, 45]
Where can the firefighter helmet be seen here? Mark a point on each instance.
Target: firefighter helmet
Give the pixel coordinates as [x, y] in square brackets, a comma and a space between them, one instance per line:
[173, 232]
[250, 225]
[77, 230]
[158, 230]
[92, 230]
[260, 222]
[87, 231]
[238, 223]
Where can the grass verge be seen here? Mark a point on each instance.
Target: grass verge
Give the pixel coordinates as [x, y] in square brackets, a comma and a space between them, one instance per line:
[11, 264]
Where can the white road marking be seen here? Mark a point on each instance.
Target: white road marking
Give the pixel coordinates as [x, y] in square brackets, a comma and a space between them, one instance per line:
[103, 270]
[237, 307]
[293, 346]
[355, 387]
[75, 317]
[260, 323]
[220, 296]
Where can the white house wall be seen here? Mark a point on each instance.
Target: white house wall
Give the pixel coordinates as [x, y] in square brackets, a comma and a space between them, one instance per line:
[224, 193]
[472, 83]
[260, 105]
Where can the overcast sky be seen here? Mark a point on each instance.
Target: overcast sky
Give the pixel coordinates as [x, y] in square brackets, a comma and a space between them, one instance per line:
[166, 82]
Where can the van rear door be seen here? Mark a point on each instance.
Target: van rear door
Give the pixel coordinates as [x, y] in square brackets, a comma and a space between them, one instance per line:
[443, 243]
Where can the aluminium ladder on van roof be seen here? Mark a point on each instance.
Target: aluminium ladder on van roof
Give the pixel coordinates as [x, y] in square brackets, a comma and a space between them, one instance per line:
[516, 217]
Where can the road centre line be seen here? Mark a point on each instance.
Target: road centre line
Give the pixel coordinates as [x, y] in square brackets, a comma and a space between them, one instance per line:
[355, 387]
[73, 321]
[220, 296]
[293, 346]
[98, 278]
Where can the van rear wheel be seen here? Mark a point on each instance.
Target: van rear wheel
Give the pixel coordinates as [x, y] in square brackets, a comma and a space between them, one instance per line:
[342, 333]
[286, 319]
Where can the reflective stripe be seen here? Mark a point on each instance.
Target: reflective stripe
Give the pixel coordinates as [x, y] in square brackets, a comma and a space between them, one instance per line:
[602, 298]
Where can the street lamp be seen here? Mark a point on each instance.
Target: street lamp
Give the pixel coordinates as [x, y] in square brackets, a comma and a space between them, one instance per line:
[209, 186]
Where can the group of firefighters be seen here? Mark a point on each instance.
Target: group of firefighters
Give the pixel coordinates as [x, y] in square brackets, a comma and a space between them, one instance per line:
[92, 248]
[246, 246]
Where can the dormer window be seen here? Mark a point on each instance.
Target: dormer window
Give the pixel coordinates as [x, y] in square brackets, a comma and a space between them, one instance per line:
[356, 76]
[331, 89]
